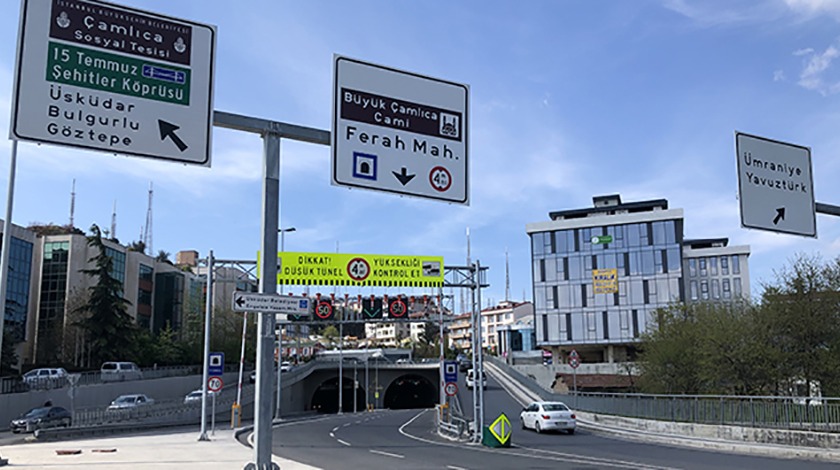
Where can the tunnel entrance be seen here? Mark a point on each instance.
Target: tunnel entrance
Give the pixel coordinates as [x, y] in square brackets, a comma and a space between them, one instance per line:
[325, 398]
[411, 391]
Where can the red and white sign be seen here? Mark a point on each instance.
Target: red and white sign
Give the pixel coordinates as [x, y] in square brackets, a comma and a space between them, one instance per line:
[451, 388]
[574, 359]
[214, 384]
[358, 269]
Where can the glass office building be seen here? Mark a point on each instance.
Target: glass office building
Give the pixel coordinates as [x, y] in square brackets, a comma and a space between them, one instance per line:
[600, 273]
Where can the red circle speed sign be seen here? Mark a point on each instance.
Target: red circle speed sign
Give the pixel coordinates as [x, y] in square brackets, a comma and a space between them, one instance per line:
[358, 269]
[324, 310]
[440, 178]
[398, 308]
[451, 388]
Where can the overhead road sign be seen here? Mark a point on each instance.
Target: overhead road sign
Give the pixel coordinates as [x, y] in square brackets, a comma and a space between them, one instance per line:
[270, 303]
[341, 269]
[371, 307]
[775, 186]
[106, 77]
[399, 132]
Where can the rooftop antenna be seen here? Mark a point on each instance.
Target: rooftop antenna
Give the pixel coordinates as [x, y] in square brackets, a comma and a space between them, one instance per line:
[147, 232]
[507, 276]
[72, 202]
[114, 221]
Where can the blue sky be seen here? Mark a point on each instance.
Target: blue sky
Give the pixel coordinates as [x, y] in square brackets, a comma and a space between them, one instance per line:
[568, 100]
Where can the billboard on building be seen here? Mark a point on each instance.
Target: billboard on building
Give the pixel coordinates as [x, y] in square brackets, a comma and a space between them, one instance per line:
[605, 281]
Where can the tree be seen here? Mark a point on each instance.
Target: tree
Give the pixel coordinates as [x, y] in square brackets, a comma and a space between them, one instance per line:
[10, 357]
[138, 246]
[163, 257]
[802, 309]
[330, 333]
[106, 321]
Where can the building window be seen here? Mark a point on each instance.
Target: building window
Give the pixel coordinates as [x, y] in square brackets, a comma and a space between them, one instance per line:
[736, 264]
[605, 318]
[568, 327]
[713, 265]
[704, 290]
[646, 291]
[17, 288]
[727, 293]
[545, 328]
[715, 288]
[537, 243]
[635, 318]
[737, 282]
[693, 287]
[692, 267]
[591, 328]
[702, 263]
[542, 270]
[583, 295]
[724, 265]
[117, 264]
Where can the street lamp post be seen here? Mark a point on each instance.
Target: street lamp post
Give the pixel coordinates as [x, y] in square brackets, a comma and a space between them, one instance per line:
[280, 329]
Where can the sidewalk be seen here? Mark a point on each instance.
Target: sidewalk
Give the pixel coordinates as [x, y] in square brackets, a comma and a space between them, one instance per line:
[165, 450]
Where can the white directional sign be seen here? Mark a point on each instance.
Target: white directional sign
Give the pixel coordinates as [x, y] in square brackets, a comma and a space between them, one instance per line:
[399, 132]
[775, 186]
[111, 78]
[270, 303]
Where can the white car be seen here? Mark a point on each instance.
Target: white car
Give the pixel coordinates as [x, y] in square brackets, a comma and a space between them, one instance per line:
[285, 366]
[195, 396]
[130, 402]
[471, 379]
[49, 377]
[548, 416]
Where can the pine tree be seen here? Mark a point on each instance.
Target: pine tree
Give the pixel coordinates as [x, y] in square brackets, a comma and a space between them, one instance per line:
[106, 318]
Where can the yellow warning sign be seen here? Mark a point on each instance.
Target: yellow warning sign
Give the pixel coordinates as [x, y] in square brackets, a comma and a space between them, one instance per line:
[605, 281]
[341, 269]
[501, 429]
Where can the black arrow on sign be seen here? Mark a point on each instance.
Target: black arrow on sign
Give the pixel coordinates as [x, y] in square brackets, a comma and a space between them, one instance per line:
[240, 301]
[404, 177]
[167, 129]
[780, 215]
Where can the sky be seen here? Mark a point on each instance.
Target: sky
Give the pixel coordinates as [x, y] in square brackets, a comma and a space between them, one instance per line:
[568, 100]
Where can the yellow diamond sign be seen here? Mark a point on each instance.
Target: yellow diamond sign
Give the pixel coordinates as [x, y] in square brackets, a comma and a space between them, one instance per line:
[501, 429]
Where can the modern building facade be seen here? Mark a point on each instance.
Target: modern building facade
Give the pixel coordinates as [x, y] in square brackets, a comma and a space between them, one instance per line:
[497, 318]
[715, 271]
[20, 288]
[600, 273]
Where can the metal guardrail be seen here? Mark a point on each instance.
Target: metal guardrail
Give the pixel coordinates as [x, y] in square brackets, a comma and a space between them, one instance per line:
[770, 412]
[16, 384]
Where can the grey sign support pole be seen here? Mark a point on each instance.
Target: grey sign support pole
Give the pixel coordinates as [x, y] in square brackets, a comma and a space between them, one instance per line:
[205, 374]
[268, 285]
[271, 133]
[279, 372]
[440, 338]
[476, 340]
[7, 241]
[480, 378]
[341, 360]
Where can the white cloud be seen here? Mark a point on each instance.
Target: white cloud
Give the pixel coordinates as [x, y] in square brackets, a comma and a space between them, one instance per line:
[779, 76]
[814, 75]
[726, 12]
[815, 7]
[801, 52]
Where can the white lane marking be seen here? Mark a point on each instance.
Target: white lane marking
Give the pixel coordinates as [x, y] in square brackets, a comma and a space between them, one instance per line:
[532, 453]
[387, 454]
[335, 428]
[332, 435]
[452, 467]
[344, 442]
[346, 424]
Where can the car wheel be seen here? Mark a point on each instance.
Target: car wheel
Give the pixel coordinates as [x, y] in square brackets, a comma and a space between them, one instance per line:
[571, 431]
[537, 427]
[67, 423]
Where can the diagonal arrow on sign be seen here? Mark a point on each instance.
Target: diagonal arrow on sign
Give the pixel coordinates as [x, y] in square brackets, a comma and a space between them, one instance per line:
[167, 129]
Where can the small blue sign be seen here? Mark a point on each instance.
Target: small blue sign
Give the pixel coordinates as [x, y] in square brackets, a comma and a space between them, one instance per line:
[216, 364]
[304, 304]
[364, 166]
[450, 371]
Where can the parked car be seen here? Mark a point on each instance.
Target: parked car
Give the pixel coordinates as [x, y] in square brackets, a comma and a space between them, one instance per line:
[464, 364]
[40, 418]
[548, 416]
[285, 366]
[129, 402]
[49, 377]
[471, 379]
[195, 396]
[119, 371]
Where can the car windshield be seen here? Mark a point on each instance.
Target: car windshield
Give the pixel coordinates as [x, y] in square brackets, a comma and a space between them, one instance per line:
[36, 412]
[125, 399]
[555, 407]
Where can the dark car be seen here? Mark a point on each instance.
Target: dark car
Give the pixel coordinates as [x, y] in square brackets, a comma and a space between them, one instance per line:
[464, 365]
[40, 418]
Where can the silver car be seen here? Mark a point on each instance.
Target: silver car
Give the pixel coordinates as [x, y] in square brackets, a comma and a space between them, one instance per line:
[130, 402]
[548, 416]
